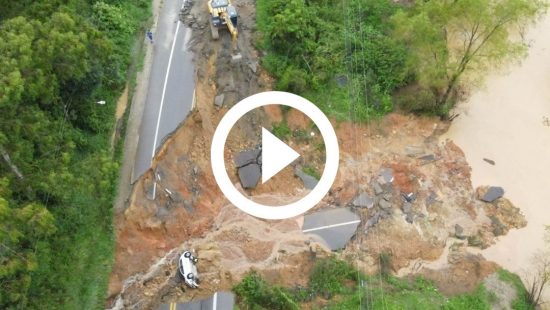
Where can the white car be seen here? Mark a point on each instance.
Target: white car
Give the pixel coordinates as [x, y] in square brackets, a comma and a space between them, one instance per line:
[188, 269]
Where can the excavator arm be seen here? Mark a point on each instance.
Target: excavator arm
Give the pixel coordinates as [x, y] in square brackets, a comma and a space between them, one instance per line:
[232, 29]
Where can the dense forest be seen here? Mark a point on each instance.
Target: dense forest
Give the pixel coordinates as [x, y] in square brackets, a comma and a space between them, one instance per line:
[58, 169]
[359, 59]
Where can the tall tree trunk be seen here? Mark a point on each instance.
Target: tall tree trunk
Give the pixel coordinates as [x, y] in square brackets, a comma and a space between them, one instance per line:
[12, 166]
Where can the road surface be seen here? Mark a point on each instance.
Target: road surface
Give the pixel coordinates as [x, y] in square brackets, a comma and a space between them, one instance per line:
[219, 301]
[170, 93]
[334, 226]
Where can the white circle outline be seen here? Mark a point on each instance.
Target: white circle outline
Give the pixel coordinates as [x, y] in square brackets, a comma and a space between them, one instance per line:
[218, 162]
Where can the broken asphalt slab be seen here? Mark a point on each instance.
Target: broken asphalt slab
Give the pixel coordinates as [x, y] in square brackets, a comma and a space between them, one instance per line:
[334, 226]
[246, 158]
[249, 175]
[309, 181]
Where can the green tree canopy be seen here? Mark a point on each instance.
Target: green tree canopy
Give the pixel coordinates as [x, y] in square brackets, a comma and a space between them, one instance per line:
[449, 37]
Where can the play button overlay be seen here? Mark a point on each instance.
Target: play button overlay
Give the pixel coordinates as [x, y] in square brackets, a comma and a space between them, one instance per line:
[276, 155]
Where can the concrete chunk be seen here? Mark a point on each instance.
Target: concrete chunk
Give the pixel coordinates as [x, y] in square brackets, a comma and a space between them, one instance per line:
[386, 176]
[218, 101]
[363, 200]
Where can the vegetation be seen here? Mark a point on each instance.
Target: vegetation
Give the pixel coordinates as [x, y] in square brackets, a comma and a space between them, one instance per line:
[337, 285]
[523, 300]
[447, 38]
[58, 171]
[311, 171]
[281, 130]
[356, 58]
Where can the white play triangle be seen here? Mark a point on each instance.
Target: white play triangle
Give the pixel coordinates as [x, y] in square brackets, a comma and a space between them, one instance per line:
[276, 155]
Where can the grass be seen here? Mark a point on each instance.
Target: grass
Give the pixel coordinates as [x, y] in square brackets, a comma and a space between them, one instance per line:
[521, 301]
[335, 284]
[281, 130]
[309, 170]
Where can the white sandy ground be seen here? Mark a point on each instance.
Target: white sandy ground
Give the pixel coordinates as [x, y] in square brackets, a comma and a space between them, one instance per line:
[503, 121]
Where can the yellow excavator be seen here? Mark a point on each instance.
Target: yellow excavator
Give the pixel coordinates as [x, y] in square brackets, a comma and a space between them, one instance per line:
[223, 14]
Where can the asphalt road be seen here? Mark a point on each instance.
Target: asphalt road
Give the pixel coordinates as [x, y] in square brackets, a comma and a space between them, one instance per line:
[334, 226]
[170, 94]
[219, 301]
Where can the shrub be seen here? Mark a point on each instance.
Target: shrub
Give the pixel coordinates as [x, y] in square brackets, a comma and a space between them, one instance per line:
[255, 292]
[281, 130]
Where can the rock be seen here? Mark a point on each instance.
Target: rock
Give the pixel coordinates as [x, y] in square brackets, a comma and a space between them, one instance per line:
[162, 212]
[427, 158]
[363, 201]
[373, 220]
[387, 196]
[246, 158]
[250, 175]
[459, 232]
[409, 218]
[309, 181]
[490, 161]
[384, 204]
[413, 150]
[410, 197]
[253, 65]
[385, 213]
[431, 199]
[218, 101]
[499, 228]
[407, 207]
[386, 176]
[236, 58]
[475, 241]
[493, 193]
[377, 188]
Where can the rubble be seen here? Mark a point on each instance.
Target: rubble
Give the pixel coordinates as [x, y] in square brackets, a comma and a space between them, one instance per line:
[363, 200]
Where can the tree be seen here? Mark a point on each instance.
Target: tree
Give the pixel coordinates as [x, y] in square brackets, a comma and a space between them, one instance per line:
[21, 230]
[449, 37]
